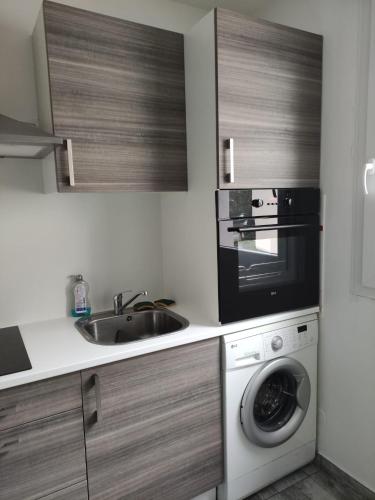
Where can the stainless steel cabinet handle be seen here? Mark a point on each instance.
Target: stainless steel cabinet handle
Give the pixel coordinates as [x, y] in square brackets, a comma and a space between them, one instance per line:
[98, 396]
[229, 144]
[6, 412]
[9, 446]
[266, 228]
[69, 149]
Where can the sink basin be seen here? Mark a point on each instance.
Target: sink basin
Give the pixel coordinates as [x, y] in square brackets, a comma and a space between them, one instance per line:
[108, 329]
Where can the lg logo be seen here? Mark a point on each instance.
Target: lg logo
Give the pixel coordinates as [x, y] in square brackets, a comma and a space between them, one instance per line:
[274, 292]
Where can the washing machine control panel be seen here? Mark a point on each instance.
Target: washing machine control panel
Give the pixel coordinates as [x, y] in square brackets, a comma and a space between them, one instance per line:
[290, 339]
[255, 349]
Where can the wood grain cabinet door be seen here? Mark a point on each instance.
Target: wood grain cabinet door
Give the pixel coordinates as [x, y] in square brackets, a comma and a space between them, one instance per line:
[153, 425]
[25, 403]
[75, 492]
[117, 90]
[269, 102]
[42, 457]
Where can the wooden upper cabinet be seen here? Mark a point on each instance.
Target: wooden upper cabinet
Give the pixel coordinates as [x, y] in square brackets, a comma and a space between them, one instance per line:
[116, 88]
[154, 425]
[269, 80]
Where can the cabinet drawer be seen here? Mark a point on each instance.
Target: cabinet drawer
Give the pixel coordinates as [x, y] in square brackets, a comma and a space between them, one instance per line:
[42, 457]
[75, 492]
[29, 402]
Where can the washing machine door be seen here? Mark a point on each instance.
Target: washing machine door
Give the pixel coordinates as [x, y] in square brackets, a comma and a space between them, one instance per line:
[275, 402]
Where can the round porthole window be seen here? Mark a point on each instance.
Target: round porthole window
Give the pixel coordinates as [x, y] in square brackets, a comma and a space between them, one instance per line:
[275, 402]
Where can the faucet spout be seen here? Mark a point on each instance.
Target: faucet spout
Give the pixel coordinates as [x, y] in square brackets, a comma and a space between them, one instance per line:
[119, 307]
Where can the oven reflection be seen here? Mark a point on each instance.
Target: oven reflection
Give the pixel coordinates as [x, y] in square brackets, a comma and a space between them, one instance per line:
[267, 258]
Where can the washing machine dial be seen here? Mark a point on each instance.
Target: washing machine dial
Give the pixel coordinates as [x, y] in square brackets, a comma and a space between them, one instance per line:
[277, 343]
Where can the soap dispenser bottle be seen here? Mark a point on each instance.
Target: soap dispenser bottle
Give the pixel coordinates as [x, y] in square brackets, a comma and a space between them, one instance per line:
[81, 304]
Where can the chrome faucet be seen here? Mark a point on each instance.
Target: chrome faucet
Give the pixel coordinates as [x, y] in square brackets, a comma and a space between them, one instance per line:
[119, 307]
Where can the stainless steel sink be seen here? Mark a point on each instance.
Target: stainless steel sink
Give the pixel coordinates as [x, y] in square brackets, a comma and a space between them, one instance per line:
[108, 329]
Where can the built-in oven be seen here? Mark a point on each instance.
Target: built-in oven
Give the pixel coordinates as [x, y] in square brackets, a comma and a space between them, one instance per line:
[268, 251]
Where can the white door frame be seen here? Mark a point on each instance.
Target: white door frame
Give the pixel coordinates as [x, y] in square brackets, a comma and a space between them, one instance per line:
[364, 122]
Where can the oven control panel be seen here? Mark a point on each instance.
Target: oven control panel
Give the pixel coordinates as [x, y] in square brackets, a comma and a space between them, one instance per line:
[244, 203]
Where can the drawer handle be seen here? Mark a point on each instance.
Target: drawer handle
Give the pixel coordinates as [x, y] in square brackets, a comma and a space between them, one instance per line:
[6, 412]
[9, 446]
[98, 396]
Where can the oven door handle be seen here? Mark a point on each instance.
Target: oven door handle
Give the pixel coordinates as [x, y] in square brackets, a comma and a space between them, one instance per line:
[267, 228]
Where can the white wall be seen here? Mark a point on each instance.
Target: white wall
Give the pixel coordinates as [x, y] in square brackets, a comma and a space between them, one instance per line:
[113, 239]
[188, 219]
[347, 336]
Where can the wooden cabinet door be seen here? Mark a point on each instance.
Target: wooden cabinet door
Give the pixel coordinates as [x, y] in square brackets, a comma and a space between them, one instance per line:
[159, 431]
[269, 103]
[117, 90]
[75, 492]
[42, 457]
[25, 403]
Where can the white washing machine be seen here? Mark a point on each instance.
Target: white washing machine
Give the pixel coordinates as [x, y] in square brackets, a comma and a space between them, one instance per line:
[269, 404]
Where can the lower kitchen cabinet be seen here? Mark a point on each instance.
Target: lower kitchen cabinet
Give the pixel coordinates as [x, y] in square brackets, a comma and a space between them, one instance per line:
[75, 492]
[42, 457]
[154, 425]
[45, 398]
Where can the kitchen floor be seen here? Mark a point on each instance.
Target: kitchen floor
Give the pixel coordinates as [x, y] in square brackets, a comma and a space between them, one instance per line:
[313, 483]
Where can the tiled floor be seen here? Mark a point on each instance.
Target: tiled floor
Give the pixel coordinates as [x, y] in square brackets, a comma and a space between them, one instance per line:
[314, 483]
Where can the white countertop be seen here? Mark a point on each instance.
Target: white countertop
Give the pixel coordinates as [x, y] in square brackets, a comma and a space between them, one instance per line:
[55, 347]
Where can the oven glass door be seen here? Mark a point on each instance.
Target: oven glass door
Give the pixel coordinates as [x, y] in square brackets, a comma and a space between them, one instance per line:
[267, 265]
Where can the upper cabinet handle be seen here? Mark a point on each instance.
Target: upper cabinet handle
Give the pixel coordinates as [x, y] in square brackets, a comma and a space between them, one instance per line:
[369, 169]
[229, 144]
[69, 149]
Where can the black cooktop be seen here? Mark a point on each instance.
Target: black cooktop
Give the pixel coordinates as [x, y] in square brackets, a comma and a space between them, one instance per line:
[13, 354]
